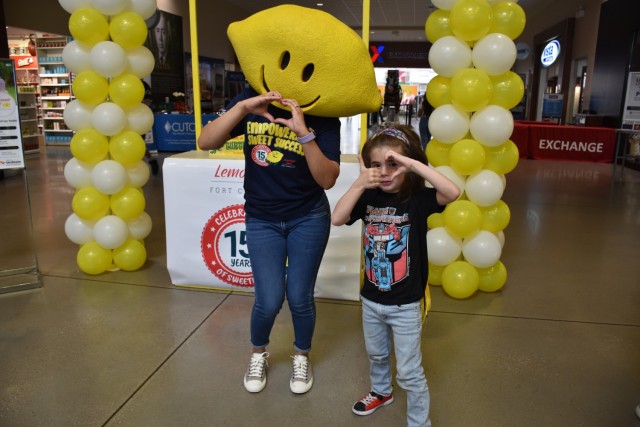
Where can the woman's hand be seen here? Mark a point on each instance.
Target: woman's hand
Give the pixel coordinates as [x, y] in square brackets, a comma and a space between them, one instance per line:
[258, 105]
[296, 123]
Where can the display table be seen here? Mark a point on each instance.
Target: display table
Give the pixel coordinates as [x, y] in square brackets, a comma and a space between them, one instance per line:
[520, 137]
[177, 132]
[587, 144]
[205, 230]
[539, 140]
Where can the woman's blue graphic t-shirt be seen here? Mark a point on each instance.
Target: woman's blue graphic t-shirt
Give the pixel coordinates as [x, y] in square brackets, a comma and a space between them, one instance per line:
[278, 183]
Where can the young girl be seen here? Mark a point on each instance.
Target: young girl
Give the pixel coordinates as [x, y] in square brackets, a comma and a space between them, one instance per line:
[391, 198]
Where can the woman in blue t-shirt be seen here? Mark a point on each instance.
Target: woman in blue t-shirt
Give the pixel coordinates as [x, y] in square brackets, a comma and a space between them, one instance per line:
[290, 159]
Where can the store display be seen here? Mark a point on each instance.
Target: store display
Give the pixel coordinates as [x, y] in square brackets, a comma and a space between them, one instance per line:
[55, 87]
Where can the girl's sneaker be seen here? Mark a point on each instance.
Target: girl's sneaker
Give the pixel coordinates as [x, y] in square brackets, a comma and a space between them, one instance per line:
[370, 403]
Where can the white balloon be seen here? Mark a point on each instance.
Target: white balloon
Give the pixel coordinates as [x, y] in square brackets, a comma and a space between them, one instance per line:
[140, 227]
[482, 250]
[494, 54]
[140, 61]
[491, 125]
[140, 119]
[109, 176]
[501, 239]
[448, 123]
[78, 230]
[444, 4]
[138, 174]
[77, 173]
[77, 115]
[448, 55]
[71, 5]
[144, 8]
[443, 247]
[110, 231]
[108, 118]
[110, 7]
[75, 56]
[484, 188]
[108, 59]
[454, 176]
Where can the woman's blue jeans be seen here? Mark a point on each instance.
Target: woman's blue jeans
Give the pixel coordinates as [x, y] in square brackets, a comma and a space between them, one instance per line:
[285, 258]
[402, 326]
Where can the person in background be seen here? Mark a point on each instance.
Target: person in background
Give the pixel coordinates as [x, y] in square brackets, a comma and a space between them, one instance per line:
[391, 198]
[290, 160]
[424, 112]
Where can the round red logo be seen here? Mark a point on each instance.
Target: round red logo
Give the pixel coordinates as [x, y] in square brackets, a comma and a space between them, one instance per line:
[224, 247]
[259, 154]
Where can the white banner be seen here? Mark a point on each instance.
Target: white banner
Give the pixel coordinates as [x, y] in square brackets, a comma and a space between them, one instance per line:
[204, 217]
[11, 156]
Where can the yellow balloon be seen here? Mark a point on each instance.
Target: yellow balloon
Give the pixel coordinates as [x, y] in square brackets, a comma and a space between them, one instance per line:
[471, 89]
[438, 153]
[90, 204]
[470, 20]
[493, 278]
[128, 203]
[508, 19]
[130, 256]
[88, 26]
[462, 218]
[127, 148]
[508, 90]
[437, 25]
[439, 91]
[90, 87]
[126, 90]
[503, 158]
[435, 220]
[460, 279]
[435, 274]
[496, 217]
[467, 157]
[128, 29]
[89, 146]
[93, 258]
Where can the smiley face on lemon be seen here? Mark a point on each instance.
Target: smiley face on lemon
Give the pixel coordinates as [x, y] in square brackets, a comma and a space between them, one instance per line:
[307, 55]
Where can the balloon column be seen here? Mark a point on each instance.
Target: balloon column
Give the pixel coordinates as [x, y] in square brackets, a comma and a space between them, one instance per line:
[472, 53]
[107, 169]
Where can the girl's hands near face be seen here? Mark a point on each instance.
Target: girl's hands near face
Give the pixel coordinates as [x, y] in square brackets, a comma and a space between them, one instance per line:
[369, 177]
[403, 163]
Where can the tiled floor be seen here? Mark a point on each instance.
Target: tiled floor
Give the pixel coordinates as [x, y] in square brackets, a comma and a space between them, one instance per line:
[558, 346]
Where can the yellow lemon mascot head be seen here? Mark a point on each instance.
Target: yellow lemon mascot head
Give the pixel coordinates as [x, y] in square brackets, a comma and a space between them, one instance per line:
[307, 55]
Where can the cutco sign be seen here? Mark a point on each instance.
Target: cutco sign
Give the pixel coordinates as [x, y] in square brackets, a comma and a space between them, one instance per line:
[550, 53]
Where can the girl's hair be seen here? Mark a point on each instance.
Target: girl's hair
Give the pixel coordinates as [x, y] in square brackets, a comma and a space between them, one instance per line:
[408, 142]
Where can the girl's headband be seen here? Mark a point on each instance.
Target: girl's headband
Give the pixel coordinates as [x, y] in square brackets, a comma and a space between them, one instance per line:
[394, 133]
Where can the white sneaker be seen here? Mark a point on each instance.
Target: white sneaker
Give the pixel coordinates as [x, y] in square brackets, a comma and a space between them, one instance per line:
[302, 376]
[255, 379]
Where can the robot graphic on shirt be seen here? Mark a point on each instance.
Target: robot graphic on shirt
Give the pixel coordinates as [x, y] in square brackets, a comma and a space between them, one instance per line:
[386, 254]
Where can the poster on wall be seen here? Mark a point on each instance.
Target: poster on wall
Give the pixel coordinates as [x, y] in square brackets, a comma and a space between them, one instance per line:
[11, 156]
[164, 39]
[631, 112]
[211, 73]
